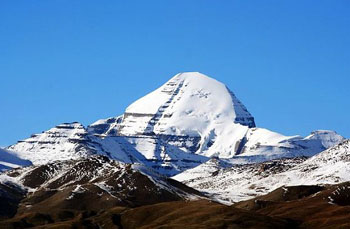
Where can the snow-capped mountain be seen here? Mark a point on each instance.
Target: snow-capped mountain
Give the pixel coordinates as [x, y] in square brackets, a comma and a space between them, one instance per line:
[243, 182]
[192, 127]
[180, 125]
[189, 104]
[10, 160]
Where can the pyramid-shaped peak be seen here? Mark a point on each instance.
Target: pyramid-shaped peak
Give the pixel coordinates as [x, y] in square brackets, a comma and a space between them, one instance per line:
[190, 103]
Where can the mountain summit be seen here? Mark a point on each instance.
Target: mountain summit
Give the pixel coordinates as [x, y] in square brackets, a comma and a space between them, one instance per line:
[188, 104]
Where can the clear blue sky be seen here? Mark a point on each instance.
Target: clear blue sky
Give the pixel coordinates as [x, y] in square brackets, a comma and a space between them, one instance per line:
[62, 61]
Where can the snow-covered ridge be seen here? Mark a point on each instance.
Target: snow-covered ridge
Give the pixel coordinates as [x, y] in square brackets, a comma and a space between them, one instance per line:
[62, 142]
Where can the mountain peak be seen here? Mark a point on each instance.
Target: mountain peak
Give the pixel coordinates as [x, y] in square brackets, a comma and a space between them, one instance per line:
[189, 102]
[192, 75]
[328, 138]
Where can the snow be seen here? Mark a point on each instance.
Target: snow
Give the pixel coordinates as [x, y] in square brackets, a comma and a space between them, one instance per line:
[108, 189]
[77, 190]
[14, 181]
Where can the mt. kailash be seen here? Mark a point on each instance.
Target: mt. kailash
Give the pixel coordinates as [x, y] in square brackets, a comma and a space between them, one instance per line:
[184, 123]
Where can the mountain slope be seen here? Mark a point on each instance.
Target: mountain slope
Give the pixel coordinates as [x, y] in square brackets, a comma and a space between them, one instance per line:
[311, 206]
[242, 182]
[286, 207]
[236, 183]
[91, 183]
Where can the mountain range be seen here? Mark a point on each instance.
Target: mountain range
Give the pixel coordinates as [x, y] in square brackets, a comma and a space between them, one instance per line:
[182, 124]
[188, 144]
